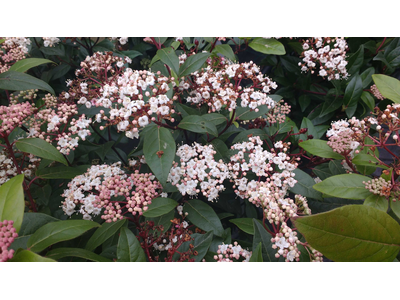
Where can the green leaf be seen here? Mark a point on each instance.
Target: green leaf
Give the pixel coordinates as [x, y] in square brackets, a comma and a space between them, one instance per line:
[244, 135]
[160, 206]
[221, 149]
[225, 50]
[353, 91]
[388, 86]
[366, 77]
[103, 149]
[55, 232]
[58, 50]
[102, 234]
[261, 235]
[29, 256]
[186, 110]
[129, 249]
[349, 186]
[12, 202]
[256, 256]
[368, 100]
[60, 172]
[363, 159]
[33, 221]
[378, 202]
[169, 57]
[395, 207]
[304, 185]
[201, 244]
[17, 81]
[75, 252]
[355, 61]
[306, 123]
[352, 233]
[193, 63]
[28, 63]
[203, 216]
[330, 106]
[198, 124]
[245, 224]
[320, 148]
[40, 148]
[246, 113]
[215, 118]
[267, 46]
[159, 151]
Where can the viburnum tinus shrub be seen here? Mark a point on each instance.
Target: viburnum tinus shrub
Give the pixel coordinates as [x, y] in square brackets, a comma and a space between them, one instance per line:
[179, 149]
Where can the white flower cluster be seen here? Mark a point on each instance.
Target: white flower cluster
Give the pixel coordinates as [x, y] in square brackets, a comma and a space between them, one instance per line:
[122, 40]
[198, 171]
[126, 96]
[50, 41]
[214, 87]
[330, 54]
[99, 62]
[228, 252]
[21, 42]
[7, 168]
[80, 190]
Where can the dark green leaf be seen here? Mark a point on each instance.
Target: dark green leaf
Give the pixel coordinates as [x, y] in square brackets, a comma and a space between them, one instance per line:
[352, 233]
[320, 148]
[353, 91]
[28, 63]
[355, 61]
[17, 81]
[160, 206]
[29, 256]
[201, 244]
[55, 232]
[33, 221]
[245, 113]
[203, 216]
[243, 136]
[377, 201]
[261, 235]
[61, 172]
[304, 185]
[159, 151]
[102, 234]
[75, 252]
[193, 63]
[225, 50]
[256, 256]
[40, 148]
[215, 118]
[367, 98]
[245, 224]
[366, 77]
[169, 57]
[129, 249]
[198, 124]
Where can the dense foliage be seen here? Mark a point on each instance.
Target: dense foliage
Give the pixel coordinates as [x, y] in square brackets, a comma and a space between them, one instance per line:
[199, 149]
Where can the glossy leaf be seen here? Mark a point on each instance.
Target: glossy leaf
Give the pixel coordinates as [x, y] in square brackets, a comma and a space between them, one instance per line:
[29, 256]
[395, 207]
[55, 232]
[378, 202]
[75, 252]
[169, 57]
[261, 235]
[349, 186]
[40, 148]
[129, 249]
[17, 81]
[159, 151]
[215, 118]
[304, 185]
[61, 172]
[225, 50]
[368, 100]
[193, 63]
[103, 233]
[352, 233]
[201, 244]
[355, 61]
[33, 221]
[12, 202]
[244, 224]
[353, 91]
[388, 86]
[160, 206]
[198, 124]
[363, 159]
[203, 216]
[246, 113]
[267, 46]
[28, 63]
[256, 255]
[320, 148]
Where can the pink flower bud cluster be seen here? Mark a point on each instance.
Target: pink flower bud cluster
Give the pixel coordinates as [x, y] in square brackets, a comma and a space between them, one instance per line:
[131, 99]
[109, 188]
[232, 253]
[12, 50]
[7, 236]
[286, 240]
[137, 190]
[376, 92]
[278, 113]
[13, 116]
[218, 86]
[198, 171]
[329, 54]
[342, 136]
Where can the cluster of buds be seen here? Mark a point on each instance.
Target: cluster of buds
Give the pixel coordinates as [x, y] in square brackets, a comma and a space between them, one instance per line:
[7, 236]
[232, 253]
[278, 113]
[378, 186]
[376, 92]
[218, 85]
[12, 50]
[327, 53]
[198, 171]
[110, 189]
[13, 116]
[131, 99]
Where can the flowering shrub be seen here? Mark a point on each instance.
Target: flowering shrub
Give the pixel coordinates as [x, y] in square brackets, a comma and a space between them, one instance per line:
[183, 149]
